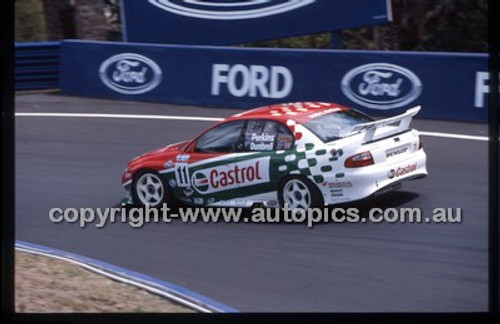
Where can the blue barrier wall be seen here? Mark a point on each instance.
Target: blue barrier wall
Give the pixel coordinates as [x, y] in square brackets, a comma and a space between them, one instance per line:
[449, 86]
[37, 65]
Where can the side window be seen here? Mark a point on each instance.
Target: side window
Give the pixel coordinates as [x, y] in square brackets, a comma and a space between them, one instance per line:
[221, 139]
[285, 138]
[261, 135]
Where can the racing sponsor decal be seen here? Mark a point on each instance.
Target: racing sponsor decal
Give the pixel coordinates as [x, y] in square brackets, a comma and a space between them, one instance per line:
[401, 171]
[172, 183]
[336, 192]
[396, 151]
[229, 10]
[339, 184]
[182, 157]
[188, 191]
[182, 175]
[336, 153]
[324, 112]
[130, 73]
[251, 81]
[284, 142]
[234, 175]
[233, 203]
[169, 164]
[260, 142]
[381, 86]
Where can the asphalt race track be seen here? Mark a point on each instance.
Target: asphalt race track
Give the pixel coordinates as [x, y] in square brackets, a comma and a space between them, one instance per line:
[77, 162]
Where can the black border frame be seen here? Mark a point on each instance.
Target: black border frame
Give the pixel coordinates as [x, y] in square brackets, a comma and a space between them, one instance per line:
[8, 204]
[493, 166]
[8, 133]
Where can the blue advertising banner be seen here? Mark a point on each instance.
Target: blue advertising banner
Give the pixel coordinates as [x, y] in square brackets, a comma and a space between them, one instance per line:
[449, 86]
[225, 22]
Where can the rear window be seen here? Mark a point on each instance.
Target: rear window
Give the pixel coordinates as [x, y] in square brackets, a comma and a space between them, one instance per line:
[330, 127]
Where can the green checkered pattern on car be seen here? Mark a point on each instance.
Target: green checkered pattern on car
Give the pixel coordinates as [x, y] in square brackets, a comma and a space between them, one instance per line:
[315, 163]
[308, 158]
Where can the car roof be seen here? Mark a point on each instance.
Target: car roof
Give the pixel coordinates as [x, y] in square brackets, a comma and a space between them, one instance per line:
[300, 112]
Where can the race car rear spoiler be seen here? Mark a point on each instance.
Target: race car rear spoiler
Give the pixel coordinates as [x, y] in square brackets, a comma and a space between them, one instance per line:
[371, 127]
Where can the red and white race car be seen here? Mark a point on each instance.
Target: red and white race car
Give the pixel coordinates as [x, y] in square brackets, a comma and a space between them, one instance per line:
[303, 154]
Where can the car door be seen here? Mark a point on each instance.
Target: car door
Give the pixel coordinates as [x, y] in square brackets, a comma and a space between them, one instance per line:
[201, 173]
[259, 162]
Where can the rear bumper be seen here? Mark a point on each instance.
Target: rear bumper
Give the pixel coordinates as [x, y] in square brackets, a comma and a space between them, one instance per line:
[363, 182]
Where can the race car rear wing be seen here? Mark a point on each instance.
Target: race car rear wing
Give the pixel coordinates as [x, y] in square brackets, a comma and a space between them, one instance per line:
[370, 128]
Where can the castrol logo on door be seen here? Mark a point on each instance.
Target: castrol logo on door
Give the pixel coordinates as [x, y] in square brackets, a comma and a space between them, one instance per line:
[230, 176]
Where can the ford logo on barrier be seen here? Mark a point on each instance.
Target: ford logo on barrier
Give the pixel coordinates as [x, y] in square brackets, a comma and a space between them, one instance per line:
[381, 86]
[130, 73]
[225, 10]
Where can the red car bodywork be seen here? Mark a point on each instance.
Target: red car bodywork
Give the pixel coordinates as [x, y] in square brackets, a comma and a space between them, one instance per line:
[300, 112]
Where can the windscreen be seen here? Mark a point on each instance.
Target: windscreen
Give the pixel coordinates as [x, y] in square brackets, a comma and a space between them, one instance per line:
[333, 126]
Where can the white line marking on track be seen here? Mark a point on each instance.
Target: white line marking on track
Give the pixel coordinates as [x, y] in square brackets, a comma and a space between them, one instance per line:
[199, 118]
[456, 136]
[129, 116]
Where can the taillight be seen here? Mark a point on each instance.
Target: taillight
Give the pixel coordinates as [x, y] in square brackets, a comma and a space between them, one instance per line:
[359, 160]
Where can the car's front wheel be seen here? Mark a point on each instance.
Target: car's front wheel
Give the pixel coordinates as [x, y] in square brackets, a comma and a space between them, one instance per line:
[149, 188]
[299, 193]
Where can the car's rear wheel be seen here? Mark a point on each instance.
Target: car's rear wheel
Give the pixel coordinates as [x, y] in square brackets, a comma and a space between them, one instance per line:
[299, 193]
[149, 188]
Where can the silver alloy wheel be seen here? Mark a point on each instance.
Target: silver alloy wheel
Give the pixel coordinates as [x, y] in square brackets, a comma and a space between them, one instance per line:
[296, 194]
[150, 189]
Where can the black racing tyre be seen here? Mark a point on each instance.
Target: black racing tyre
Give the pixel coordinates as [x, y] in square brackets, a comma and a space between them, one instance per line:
[299, 193]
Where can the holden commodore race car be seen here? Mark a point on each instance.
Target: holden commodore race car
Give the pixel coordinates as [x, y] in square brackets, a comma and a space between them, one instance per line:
[302, 154]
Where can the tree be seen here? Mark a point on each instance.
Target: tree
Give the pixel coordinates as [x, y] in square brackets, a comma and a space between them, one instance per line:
[419, 25]
[29, 24]
[59, 19]
[90, 20]
[427, 25]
